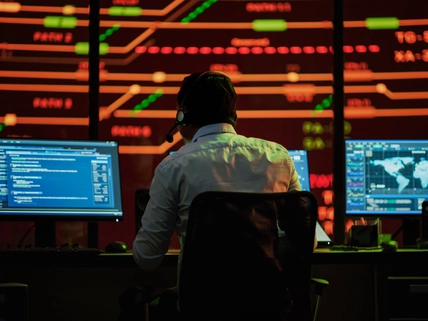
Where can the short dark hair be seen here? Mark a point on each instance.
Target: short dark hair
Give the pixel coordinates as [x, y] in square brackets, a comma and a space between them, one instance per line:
[208, 98]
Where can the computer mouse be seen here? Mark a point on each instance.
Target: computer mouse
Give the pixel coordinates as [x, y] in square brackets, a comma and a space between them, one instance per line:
[390, 245]
[116, 247]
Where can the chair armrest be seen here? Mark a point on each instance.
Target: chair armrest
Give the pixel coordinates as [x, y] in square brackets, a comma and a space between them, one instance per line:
[320, 284]
[134, 296]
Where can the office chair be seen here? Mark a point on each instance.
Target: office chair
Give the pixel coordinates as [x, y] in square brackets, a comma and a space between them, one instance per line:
[14, 302]
[247, 256]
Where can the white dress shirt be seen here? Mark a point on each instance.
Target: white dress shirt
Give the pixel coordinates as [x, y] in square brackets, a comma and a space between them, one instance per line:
[218, 159]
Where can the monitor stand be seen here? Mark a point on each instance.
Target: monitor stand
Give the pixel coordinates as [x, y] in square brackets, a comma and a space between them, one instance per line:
[45, 234]
[411, 232]
[93, 235]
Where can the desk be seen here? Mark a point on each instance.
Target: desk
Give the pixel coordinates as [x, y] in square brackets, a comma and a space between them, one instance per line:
[71, 289]
[373, 284]
[324, 255]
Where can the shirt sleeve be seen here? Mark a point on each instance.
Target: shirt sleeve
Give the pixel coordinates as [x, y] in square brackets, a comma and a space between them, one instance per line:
[157, 223]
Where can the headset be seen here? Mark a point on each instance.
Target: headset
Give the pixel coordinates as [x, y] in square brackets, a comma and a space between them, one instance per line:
[183, 116]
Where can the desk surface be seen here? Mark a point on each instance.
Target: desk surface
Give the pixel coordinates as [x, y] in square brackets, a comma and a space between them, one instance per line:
[90, 286]
[320, 256]
[374, 256]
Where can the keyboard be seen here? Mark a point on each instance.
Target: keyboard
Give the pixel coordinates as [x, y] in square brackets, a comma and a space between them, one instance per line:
[346, 247]
[5, 251]
[343, 247]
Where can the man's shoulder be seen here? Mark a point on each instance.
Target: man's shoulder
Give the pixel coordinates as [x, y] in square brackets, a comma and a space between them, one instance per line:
[204, 152]
[263, 143]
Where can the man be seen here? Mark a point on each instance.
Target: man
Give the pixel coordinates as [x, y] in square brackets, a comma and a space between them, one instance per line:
[214, 157]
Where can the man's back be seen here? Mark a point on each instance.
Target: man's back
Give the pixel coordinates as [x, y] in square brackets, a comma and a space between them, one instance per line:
[214, 158]
[225, 161]
[217, 160]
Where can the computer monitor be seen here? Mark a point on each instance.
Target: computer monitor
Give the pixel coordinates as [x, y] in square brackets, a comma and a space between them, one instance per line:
[386, 177]
[301, 163]
[45, 180]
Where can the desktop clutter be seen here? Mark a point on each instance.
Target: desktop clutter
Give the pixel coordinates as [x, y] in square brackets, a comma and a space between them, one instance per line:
[116, 247]
[365, 235]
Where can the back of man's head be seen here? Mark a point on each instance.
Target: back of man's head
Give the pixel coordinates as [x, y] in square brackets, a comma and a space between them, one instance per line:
[208, 98]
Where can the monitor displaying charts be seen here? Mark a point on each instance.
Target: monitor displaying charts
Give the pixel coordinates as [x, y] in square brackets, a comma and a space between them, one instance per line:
[386, 177]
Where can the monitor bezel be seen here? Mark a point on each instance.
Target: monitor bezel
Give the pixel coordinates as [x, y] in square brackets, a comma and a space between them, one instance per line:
[44, 217]
[374, 215]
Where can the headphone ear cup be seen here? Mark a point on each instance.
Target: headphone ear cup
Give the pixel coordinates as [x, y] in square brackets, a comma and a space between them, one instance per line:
[182, 118]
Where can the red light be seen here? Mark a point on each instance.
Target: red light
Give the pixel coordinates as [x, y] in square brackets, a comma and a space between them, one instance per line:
[166, 50]
[179, 50]
[348, 49]
[309, 50]
[153, 50]
[68, 103]
[192, 50]
[257, 50]
[321, 181]
[146, 131]
[218, 50]
[270, 50]
[361, 48]
[374, 48]
[244, 50]
[205, 50]
[140, 49]
[231, 50]
[283, 50]
[296, 50]
[131, 131]
[322, 49]
[328, 226]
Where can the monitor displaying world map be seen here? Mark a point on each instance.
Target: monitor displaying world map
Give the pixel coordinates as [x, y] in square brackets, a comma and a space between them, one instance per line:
[386, 177]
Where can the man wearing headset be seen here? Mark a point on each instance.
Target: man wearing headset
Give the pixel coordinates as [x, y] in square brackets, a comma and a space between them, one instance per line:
[214, 157]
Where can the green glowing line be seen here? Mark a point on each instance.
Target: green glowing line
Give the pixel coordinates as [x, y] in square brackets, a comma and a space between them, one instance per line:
[125, 11]
[326, 103]
[82, 48]
[382, 23]
[60, 22]
[269, 25]
[149, 100]
[109, 32]
[198, 11]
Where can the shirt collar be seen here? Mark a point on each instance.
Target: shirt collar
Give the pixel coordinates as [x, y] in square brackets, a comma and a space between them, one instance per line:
[212, 129]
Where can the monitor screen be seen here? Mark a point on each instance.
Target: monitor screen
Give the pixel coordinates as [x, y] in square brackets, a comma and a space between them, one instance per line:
[386, 177]
[59, 180]
[301, 162]
[300, 159]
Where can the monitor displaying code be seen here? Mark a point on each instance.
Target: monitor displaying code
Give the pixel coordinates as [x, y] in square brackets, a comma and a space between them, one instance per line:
[71, 179]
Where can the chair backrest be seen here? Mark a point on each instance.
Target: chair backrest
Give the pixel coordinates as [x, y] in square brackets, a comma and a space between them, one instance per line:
[14, 302]
[247, 256]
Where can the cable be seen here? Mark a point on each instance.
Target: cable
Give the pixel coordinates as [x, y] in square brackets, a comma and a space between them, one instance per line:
[25, 235]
